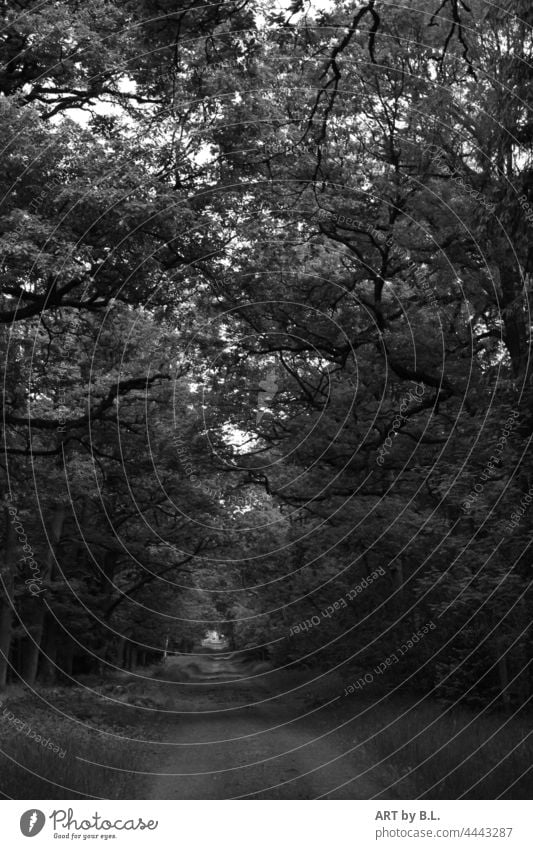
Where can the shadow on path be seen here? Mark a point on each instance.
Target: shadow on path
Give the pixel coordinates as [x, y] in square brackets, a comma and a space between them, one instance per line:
[241, 737]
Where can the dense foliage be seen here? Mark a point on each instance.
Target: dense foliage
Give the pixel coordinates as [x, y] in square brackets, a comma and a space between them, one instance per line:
[266, 337]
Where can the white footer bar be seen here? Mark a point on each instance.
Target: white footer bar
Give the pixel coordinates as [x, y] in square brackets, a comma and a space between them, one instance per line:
[267, 824]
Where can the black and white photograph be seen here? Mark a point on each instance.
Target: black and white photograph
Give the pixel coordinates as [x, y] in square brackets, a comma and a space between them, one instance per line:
[266, 476]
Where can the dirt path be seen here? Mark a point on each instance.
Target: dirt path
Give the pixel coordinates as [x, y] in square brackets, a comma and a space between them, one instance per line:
[261, 751]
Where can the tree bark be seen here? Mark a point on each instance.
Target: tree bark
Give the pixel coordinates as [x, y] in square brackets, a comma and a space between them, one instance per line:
[6, 598]
[38, 615]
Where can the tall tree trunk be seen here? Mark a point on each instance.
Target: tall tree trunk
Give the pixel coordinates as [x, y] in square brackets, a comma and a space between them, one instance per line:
[38, 611]
[6, 625]
[30, 653]
[6, 598]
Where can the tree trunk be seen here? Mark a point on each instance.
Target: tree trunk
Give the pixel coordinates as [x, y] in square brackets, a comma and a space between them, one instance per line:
[6, 624]
[38, 617]
[6, 599]
[30, 656]
[229, 629]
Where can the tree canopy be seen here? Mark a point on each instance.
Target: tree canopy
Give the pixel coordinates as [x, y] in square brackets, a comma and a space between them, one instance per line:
[265, 332]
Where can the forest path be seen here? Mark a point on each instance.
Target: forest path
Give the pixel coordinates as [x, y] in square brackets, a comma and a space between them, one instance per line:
[237, 742]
